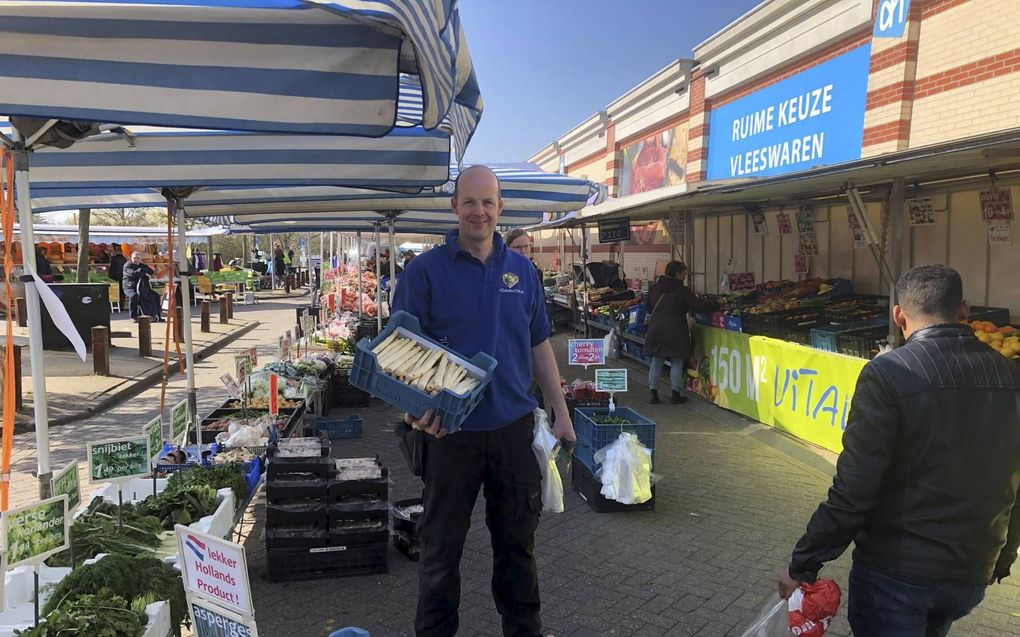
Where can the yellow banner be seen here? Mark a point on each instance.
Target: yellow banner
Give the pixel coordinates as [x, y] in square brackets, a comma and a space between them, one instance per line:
[801, 390]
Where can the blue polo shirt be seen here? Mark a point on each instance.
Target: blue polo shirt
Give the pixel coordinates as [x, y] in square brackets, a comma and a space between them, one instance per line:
[496, 307]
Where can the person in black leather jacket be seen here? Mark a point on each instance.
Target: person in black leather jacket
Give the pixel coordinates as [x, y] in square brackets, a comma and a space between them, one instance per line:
[928, 482]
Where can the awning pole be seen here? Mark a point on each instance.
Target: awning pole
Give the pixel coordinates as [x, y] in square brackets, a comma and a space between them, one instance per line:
[357, 269]
[272, 262]
[32, 303]
[393, 265]
[896, 205]
[189, 348]
[584, 278]
[378, 286]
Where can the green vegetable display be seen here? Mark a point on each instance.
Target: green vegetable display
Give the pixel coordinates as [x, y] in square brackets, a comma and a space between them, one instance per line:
[128, 577]
[97, 531]
[100, 615]
[611, 420]
[218, 477]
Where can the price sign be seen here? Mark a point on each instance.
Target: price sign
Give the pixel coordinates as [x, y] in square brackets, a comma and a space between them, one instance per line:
[253, 354]
[274, 396]
[153, 431]
[232, 387]
[741, 281]
[66, 483]
[611, 381]
[612, 230]
[110, 460]
[996, 205]
[209, 620]
[34, 532]
[586, 351]
[242, 366]
[179, 421]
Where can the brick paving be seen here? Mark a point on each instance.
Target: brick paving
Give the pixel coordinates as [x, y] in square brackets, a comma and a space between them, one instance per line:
[732, 500]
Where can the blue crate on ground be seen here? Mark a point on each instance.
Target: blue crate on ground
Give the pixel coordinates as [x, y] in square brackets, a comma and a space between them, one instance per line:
[826, 337]
[453, 409]
[252, 474]
[337, 428]
[597, 435]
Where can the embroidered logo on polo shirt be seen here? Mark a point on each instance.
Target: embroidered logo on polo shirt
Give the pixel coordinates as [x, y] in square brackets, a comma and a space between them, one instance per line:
[511, 279]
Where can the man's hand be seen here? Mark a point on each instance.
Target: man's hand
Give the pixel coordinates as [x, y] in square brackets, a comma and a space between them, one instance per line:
[564, 428]
[787, 585]
[428, 424]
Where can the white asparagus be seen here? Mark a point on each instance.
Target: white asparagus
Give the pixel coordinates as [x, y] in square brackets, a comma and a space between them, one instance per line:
[410, 364]
[422, 382]
[428, 363]
[398, 363]
[397, 350]
[451, 371]
[385, 343]
[437, 380]
[458, 377]
[465, 386]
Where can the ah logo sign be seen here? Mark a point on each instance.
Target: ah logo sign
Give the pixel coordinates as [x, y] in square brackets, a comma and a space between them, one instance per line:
[891, 18]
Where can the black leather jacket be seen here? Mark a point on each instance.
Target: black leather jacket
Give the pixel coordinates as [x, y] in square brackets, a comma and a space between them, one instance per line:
[928, 482]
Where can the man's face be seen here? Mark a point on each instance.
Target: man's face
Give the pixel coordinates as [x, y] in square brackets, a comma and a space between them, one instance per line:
[477, 205]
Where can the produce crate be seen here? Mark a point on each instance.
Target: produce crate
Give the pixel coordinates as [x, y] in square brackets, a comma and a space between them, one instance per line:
[406, 523]
[297, 486]
[863, 342]
[337, 428]
[347, 395]
[825, 338]
[341, 491]
[287, 565]
[296, 537]
[598, 436]
[453, 409]
[997, 315]
[303, 514]
[770, 323]
[587, 485]
[379, 533]
[407, 544]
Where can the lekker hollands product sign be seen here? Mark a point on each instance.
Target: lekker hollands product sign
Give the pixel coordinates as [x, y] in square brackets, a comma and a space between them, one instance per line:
[215, 569]
[813, 118]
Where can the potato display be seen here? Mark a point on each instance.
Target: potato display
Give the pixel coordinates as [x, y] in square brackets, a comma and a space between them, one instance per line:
[429, 370]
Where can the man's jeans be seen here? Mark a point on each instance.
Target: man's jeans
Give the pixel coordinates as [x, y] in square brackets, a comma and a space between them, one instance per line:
[883, 606]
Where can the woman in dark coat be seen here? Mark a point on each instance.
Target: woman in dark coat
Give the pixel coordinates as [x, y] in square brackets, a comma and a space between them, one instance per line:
[668, 336]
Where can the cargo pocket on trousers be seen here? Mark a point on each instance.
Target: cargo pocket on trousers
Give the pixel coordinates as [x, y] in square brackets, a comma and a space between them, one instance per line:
[529, 501]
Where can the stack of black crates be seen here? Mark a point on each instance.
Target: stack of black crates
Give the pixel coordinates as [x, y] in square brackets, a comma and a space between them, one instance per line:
[324, 517]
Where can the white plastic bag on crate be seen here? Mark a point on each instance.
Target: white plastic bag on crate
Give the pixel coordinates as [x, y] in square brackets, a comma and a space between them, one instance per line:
[544, 445]
[771, 621]
[626, 471]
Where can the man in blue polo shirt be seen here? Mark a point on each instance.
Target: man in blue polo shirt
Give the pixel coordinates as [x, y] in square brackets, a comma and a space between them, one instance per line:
[474, 295]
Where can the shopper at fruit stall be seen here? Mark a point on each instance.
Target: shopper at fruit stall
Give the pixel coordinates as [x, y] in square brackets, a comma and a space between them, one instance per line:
[475, 295]
[669, 336]
[928, 483]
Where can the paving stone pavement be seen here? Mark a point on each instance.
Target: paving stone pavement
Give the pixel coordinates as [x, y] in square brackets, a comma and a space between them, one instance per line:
[733, 499]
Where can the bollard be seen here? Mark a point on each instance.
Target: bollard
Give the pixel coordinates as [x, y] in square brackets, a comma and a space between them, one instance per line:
[101, 350]
[286, 284]
[22, 311]
[230, 305]
[224, 319]
[18, 402]
[144, 336]
[205, 317]
[178, 325]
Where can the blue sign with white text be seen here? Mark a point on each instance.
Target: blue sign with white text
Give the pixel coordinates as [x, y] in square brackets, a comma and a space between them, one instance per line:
[811, 119]
[891, 18]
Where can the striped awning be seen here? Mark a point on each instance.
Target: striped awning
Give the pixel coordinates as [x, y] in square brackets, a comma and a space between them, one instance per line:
[285, 66]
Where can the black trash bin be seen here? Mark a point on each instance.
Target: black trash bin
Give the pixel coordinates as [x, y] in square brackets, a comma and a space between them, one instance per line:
[88, 305]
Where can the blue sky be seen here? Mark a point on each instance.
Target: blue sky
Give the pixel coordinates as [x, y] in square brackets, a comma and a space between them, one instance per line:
[545, 65]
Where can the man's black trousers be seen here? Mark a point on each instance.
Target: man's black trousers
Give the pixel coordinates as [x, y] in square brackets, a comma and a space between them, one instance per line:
[456, 467]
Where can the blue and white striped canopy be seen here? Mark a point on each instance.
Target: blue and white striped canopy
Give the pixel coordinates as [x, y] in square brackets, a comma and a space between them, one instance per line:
[527, 193]
[285, 66]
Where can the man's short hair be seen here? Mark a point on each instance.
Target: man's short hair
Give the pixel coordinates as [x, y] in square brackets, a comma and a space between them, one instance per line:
[934, 291]
[456, 182]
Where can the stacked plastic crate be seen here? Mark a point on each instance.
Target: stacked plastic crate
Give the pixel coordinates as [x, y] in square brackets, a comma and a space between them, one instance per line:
[324, 517]
[592, 435]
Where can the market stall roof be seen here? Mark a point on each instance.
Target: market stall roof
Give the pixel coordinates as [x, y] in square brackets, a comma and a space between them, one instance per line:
[970, 158]
[108, 233]
[280, 66]
[432, 230]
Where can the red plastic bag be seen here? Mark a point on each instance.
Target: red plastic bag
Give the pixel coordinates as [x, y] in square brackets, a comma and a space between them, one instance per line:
[813, 607]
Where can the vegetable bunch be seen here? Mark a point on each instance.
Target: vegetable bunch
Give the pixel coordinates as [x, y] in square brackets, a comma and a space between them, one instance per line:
[430, 370]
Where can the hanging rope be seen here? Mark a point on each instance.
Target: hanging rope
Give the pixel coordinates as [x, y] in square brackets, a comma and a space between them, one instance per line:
[7, 220]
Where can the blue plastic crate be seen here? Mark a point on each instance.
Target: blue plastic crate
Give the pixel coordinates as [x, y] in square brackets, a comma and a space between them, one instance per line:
[337, 428]
[453, 409]
[826, 337]
[252, 474]
[734, 323]
[597, 436]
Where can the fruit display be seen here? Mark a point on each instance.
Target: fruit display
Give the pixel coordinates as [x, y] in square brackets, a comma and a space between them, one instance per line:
[428, 368]
[1005, 340]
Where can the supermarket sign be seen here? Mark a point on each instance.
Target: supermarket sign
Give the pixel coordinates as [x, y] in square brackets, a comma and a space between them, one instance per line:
[891, 18]
[800, 390]
[811, 119]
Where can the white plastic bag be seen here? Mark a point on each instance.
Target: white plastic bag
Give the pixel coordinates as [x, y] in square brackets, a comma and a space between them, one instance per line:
[544, 444]
[609, 343]
[771, 621]
[626, 471]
